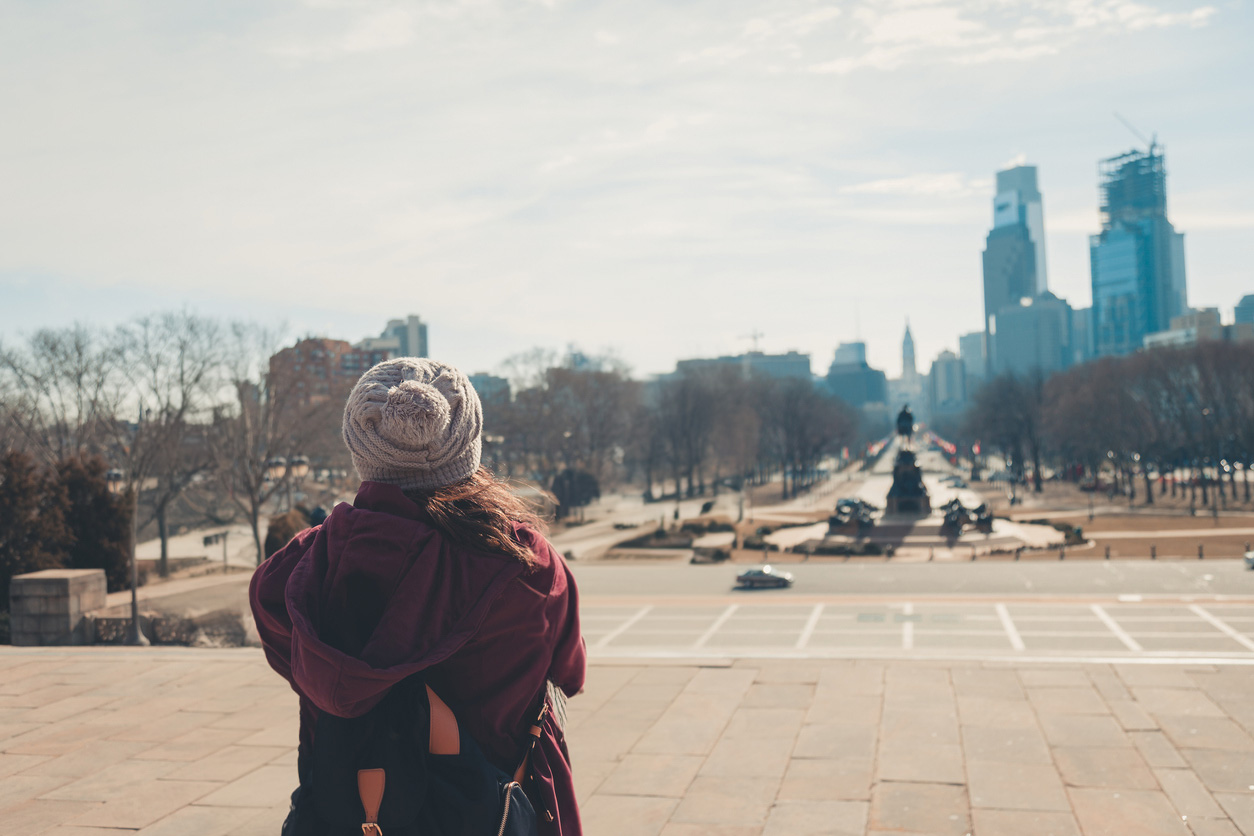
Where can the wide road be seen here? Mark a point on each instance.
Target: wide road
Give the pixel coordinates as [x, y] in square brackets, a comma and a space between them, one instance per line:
[991, 631]
[1100, 578]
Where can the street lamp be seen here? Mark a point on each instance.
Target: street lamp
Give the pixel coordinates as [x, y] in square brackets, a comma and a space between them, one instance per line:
[118, 486]
[298, 469]
[276, 468]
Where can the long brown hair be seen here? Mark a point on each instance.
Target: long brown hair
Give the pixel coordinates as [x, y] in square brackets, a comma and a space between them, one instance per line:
[479, 512]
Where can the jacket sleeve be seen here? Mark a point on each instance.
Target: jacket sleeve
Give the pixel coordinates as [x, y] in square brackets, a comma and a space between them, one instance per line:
[267, 593]
[570, 656]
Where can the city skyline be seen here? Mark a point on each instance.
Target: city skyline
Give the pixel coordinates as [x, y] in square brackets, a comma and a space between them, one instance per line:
[640, 182]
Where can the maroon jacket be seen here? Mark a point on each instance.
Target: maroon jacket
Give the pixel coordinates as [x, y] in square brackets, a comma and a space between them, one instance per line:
[351, 607]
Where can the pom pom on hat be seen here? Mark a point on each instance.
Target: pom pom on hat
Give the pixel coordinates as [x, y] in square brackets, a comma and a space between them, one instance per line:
[415, 423]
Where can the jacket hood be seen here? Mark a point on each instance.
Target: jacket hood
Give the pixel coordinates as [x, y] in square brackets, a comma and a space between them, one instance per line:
[377, 595]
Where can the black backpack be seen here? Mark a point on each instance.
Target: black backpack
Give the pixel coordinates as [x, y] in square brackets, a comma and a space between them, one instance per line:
[374, 773]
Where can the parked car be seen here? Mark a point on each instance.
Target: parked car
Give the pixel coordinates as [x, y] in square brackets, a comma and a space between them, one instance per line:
[764, 578]
[1249, 560]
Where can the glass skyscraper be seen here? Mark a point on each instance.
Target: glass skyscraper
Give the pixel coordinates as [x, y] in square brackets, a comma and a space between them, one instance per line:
[1034, 336]
[1018, 203]
[1244, 313]
[1137, 260]
[1014, 256]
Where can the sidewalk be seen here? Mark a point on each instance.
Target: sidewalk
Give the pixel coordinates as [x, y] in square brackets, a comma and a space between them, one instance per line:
[97, 741]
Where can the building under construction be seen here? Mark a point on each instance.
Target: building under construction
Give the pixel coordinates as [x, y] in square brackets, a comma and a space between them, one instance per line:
[1137, 260]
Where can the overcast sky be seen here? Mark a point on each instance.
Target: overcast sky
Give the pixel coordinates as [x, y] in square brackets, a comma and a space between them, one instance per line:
[660, 179]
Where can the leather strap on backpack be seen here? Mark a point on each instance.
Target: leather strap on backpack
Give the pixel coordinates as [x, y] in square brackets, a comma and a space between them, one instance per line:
[444, 739]
[370, 783]
[534, 733]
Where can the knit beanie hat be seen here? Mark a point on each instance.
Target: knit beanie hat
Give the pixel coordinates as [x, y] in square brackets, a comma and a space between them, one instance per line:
[414, 423]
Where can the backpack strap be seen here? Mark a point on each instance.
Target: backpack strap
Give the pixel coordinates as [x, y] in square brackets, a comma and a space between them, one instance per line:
[534, 734]
[444, 739]
[370, 783]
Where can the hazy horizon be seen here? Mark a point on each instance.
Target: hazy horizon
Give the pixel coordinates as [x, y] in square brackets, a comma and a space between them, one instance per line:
[655, 180]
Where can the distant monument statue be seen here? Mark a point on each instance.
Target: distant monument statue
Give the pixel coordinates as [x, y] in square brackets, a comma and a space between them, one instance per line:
[908, 495]
[905, 423]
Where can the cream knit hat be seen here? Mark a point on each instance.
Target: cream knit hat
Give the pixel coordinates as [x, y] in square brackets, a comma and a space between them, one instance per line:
[414, 423]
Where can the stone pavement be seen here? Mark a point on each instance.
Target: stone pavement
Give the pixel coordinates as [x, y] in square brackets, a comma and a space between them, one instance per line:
[97, 741]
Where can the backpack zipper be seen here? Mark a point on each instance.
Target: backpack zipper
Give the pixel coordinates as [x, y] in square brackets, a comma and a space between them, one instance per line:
[509, 791]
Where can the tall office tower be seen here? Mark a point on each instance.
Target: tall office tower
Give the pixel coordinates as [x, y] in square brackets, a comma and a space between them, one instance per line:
[1137, 260]
[947, 386]
[1034, 336]
[1018, 203]
[848, 354]
[973, 349]
[412, 333]
[1081, 335]
[908, 369]
[1014, 251]
[401, 338]
[852, 380]
[1244, 312]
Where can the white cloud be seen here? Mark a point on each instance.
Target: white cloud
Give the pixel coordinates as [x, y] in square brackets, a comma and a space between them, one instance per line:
[562, 169]
[556, 163]
[949, 184]
[349, 27]
[1186, 220]
[1140, 17]
[878, 58]
[1007, 53]
[892, 34]
[387, 29]
[775, 35]
[936, 26]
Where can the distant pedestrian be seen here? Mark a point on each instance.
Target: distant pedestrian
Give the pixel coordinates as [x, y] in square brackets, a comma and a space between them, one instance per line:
[438, 570]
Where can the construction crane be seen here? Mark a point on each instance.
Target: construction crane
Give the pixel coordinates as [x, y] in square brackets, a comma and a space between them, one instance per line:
[1151, 143]
[754, 335]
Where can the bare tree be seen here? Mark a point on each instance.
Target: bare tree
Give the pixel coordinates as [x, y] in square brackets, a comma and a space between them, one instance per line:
[62, 390]
[685, 413]
[592, 408]
[12, 438]
[526, 369]
[808, 426]
[172, 365]
[736, 438]
[1007, 414]
[644, 445]
[1169, 408]
[264, 424]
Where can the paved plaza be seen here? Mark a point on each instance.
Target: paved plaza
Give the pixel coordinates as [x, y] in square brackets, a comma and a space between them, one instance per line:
[193, 742]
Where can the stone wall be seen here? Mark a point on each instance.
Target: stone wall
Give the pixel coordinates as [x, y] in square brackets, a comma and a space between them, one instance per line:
[50, 607]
